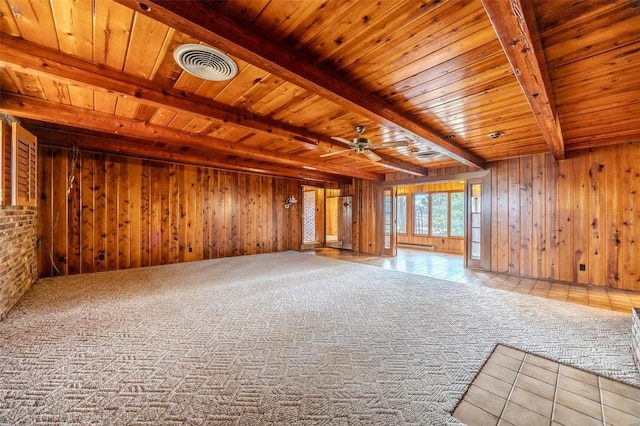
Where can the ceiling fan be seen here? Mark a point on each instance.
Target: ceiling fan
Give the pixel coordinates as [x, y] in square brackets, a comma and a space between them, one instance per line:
[426, 154]
[362, 145]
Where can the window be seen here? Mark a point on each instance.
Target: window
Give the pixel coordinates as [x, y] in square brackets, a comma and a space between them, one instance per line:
[421, 214]
[401, 225]
[457, 214]
[439, 214]
[18, 166]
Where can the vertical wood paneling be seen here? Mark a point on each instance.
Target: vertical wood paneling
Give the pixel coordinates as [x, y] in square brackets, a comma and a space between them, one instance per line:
[138, 213]
[551, 236]
[538, 215]
[135, 214]
[584, 210]
[99, 213]
[111, 195]
[613, 225]
[596, 267]
[45, 212]
[124, 222]
[565, 221]
[75, 207]
[514, 216]
[501, 252]
[581, 220]
[87, 213]
[155, 236]
[145, 214]
[526, 221]
[630, 216]
[61, 213]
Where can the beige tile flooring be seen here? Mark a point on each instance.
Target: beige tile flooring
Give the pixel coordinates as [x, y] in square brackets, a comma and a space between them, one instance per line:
[450, 267]
[517, 388]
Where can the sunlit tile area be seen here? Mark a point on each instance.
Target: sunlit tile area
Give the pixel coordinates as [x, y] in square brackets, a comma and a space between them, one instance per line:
[518, 388]
[451, 267]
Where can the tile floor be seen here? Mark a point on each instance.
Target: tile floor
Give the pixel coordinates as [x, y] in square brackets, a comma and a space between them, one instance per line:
[517, 388]
[450, 267]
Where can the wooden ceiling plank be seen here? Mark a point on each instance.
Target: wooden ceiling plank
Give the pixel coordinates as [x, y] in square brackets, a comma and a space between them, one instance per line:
[207, 23]
[480, 54]
[105, 102]
[7, 83]
[113, 25]
[433, 47]
[21, 106]
[42, 61]
[147, 39]
[55, 91]
[515, 25]
[26, 84]
[75, 30]
[8, 23]
[35, 21]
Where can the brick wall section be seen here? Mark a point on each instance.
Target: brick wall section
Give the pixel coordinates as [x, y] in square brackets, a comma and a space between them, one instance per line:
[18, 260]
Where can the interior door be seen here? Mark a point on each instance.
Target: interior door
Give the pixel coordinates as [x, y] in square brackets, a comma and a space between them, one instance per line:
[389, 221]
[339, 223]
[478, 223]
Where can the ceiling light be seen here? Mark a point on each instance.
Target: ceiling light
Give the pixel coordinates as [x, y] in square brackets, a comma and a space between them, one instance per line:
[495, 135]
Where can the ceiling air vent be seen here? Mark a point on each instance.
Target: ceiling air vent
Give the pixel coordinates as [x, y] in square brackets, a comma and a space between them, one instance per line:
[205, 62]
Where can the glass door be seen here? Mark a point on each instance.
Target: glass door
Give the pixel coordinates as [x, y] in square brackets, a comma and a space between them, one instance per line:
[478, 235]
[389, 221]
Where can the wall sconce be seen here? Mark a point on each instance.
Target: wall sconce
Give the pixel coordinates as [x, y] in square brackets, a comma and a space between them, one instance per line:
[290, 201]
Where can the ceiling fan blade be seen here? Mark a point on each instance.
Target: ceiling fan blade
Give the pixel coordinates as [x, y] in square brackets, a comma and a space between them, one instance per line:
[389, 144]
[330, 154]
[343, 140]
[371, 155]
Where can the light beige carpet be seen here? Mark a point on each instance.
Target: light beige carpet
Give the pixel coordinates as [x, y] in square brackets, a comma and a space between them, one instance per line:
[283, 338]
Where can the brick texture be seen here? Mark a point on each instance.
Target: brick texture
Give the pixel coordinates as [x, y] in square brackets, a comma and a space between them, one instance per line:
[18, 260]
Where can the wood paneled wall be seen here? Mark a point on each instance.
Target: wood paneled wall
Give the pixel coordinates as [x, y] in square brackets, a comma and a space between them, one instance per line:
[447, 244]
[127, 213]
[549, 217]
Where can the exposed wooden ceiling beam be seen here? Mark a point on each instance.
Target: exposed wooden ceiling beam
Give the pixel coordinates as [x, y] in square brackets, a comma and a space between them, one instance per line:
[206, 22]
[24, 56]
[35, 109]
[140, 149]
[515, 24]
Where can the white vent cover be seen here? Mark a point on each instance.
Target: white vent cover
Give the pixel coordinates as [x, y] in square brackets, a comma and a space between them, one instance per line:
[205, 62]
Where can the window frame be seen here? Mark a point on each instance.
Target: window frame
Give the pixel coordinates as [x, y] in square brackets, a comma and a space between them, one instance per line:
[406, 218]
[430, 214]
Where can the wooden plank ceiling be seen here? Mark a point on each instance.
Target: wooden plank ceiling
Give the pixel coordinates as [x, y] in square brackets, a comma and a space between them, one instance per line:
[438, 75]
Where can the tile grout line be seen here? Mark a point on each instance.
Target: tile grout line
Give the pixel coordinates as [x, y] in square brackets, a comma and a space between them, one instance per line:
[513, 385]
[601, 401]
[555, 395]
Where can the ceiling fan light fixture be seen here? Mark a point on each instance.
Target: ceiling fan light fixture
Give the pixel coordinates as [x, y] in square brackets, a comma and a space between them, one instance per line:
[496, 134]
[205, 62]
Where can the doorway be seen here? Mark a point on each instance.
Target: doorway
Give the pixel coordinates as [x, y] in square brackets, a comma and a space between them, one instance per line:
[451, 216]
[339, 212]
[313, 212]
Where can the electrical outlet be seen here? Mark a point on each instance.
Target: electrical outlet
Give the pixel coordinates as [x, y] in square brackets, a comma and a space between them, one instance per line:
[101, 256]
[190, 249]
[583, 267]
